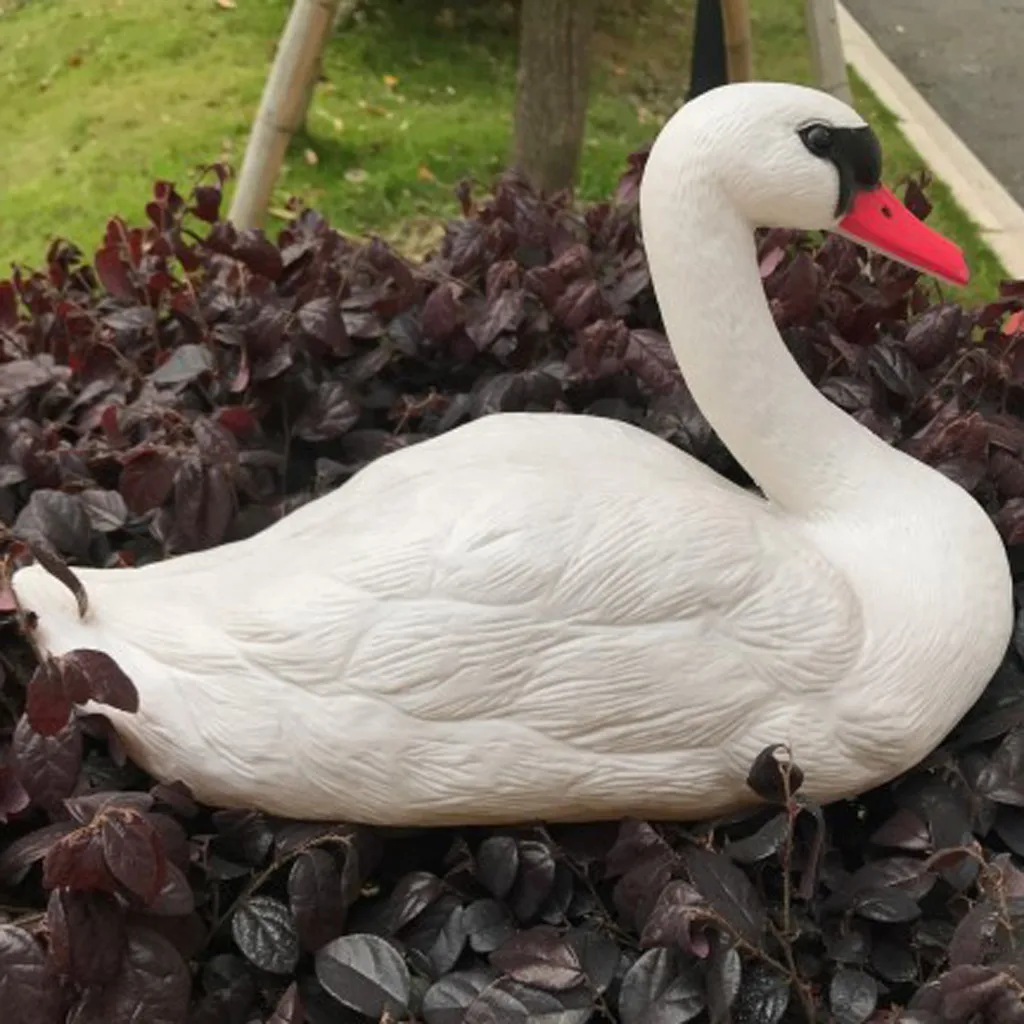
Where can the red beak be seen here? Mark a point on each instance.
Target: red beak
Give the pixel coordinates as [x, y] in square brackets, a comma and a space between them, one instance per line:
[880, 221]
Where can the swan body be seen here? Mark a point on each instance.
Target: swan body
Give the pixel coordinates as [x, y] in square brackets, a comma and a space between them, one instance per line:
[544, 616]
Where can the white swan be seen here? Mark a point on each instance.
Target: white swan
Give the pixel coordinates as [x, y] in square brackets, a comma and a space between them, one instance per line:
[558, 617]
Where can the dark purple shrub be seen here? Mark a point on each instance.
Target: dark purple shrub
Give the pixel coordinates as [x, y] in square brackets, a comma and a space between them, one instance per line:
[192, 383]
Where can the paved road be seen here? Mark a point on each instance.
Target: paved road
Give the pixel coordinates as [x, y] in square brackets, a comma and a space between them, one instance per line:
[966, 57]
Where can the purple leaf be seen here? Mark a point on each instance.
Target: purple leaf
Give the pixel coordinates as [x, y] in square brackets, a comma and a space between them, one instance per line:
[853, 996]
[265, 932]
[331, 412]
[87, 936]
[366, 974]
[534, 881]
[47, 765]
[412, 894]
[660, 989]
[28, 985]
[186, 364]
[497, 864]
[315, 898]
[728, 891]
[153, 985]
[540, 957]
[763, 997]
[488, 924]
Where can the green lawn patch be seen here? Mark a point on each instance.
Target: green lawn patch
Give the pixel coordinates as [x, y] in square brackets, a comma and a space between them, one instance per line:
[103, 96]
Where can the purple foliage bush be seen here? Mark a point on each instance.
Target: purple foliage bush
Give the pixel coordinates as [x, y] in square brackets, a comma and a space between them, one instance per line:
[192, 383]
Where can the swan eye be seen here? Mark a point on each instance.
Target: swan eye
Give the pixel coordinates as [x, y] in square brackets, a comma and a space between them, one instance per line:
[817, 138]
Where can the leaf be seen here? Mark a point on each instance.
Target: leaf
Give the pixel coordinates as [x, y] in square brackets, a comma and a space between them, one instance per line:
[216, 444]
[1002, 779]
[534, 881]
[265, 933]
[497, 864]
[412, 894]
[488, 925]
[503, 313]
[971, 989]
[660, 989]
[134, 853]
[669, 922]
[57, 519]
[773, 776]
[87, 936]
[315, 898]
[13, 797]
[728, 891]
[256, 251]
[723, 979]
[763, 998]
[911, 875]
[366, 974]
[29, 992]
[649, 355]
[321, 319]
[540, 957]
[852, 995]
[443, 312]
[439, 935]
[8, 306]
[894, 369]
[331, 412]
[206, 203]
[94, 675]
[767, 840]
[904, 830]
[153, 985]
[114, 274]
[848, 393]
[890, 906]
[449, 999]
[131, 319]
[186, 364]
[932, 336]
[106, 510]
[47, 706]
[598, 954]
[147, 479]
[638, 891]
[176, 898]
[289, 1009]
[77, 862]
[19, 856]
[47, 766]
[20, 376]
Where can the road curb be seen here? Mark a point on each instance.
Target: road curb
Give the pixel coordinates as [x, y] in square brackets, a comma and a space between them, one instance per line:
[974, 187]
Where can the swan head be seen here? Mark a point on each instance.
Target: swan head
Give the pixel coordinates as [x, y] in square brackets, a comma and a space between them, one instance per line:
[785, 155]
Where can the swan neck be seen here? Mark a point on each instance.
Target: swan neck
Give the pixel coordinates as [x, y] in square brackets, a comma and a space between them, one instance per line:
[804, 453]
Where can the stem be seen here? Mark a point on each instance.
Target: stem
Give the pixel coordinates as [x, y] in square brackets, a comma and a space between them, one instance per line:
[267, 873]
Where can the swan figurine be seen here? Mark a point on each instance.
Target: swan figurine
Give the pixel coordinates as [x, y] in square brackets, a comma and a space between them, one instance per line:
[564, 618]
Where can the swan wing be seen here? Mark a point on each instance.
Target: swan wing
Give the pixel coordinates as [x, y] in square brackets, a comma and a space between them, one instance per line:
[576, 578]
[582, 578]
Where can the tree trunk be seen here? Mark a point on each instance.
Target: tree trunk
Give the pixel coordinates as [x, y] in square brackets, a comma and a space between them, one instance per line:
[551, 93]
[739, 50]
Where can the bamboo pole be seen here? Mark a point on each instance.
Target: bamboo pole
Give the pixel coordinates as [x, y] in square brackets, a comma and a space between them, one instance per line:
[739, 50]
[827, 49]
[283, 107]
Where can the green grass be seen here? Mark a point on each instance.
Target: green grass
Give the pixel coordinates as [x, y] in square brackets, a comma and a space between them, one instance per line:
[103, 96]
